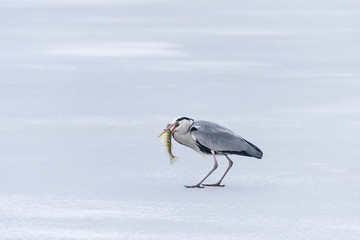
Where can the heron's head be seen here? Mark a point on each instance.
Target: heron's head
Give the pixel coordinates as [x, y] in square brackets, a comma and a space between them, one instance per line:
[181, 124]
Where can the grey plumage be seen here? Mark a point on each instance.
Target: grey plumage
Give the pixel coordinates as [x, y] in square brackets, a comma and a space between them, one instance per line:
[220, 139]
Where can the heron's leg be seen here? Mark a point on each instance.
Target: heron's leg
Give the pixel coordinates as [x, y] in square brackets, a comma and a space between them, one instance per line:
[199, 184]
[218, 183]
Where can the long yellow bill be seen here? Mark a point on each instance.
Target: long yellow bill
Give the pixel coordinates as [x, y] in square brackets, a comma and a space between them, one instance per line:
[168, 128]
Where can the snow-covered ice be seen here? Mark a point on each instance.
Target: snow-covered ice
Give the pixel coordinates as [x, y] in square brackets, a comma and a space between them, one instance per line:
[87, 86]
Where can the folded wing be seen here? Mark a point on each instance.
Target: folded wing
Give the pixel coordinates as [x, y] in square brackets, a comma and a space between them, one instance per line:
[212, 136]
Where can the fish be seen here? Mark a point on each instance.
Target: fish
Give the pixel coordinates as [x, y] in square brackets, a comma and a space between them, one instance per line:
[166, 137]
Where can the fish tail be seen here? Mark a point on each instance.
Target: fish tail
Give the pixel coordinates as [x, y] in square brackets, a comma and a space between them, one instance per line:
[173, 160]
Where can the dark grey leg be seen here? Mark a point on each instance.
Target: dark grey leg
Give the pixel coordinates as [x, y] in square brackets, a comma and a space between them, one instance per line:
[218, 183]
[199, 184]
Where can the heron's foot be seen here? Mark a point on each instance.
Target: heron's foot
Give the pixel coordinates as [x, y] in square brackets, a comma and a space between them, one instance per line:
[194, 186]
[213, 185]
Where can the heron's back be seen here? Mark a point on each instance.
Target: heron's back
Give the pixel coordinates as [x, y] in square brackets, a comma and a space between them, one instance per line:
[215, 137]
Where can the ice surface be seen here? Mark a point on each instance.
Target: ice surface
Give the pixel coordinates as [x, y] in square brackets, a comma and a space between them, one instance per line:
[87, 86]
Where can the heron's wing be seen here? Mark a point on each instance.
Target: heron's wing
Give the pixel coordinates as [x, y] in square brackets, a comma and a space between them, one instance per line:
[212, 136]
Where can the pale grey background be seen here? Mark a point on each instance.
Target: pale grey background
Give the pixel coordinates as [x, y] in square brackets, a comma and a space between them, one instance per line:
[86, 87]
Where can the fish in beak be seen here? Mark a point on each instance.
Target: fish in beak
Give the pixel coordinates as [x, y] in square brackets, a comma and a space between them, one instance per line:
[175, 125]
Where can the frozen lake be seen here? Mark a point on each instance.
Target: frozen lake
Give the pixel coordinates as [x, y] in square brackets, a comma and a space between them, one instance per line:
[86, 87]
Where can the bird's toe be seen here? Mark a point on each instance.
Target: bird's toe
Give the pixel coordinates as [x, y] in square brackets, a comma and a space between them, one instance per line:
[213, 185]
[194, 186]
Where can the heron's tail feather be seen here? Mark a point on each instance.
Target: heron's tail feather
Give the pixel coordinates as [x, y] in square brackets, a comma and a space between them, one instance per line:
[254, 151]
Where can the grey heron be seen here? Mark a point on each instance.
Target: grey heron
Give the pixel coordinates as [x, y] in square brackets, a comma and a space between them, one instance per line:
[211, 138]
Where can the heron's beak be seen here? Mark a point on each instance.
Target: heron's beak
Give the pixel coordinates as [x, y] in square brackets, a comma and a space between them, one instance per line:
[168, 128]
